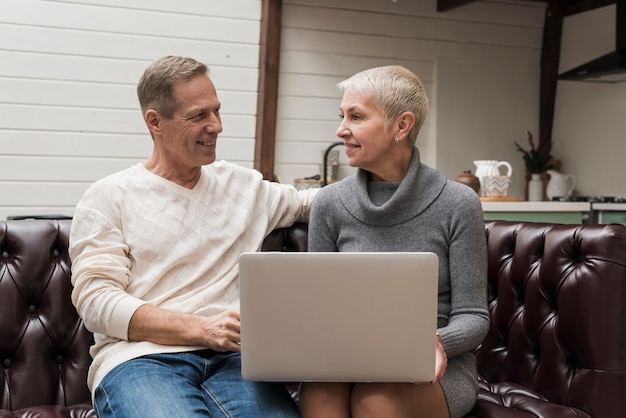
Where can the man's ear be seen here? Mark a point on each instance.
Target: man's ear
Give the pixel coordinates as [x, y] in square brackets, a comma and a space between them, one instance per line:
[405, 123]
[153, 121]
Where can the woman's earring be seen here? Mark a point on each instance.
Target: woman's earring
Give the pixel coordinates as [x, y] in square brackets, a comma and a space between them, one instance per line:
[396, 141]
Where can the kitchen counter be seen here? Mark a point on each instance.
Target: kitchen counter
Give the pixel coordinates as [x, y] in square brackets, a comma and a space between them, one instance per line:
[609, 206]
[557, 212]
[537, 206]
[608, 213]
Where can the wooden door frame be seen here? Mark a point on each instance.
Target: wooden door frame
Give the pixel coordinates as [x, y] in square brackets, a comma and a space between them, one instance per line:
[267, 94]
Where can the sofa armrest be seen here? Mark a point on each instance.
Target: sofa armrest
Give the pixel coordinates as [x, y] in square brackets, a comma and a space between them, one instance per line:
[557, 302]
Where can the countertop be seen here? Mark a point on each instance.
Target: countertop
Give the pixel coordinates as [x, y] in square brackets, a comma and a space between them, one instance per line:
[524, 206]
[609, 206]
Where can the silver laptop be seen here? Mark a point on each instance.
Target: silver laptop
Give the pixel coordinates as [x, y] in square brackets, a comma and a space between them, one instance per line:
[338, 317]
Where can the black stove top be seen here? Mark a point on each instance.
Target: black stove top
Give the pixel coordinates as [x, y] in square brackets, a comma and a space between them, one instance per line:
[600, 199]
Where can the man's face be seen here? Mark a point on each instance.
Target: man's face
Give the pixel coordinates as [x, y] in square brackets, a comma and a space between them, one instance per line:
[189, 138]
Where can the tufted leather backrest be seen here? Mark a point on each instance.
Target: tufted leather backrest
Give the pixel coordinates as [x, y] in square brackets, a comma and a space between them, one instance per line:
[293, 238]
[557, 301]
[44, 347]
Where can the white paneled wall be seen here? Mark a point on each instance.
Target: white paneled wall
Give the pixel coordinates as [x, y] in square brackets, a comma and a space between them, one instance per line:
[326, 41]
[68, 72]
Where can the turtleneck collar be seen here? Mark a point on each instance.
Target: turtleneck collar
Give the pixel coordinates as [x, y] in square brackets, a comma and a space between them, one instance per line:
[418, 189]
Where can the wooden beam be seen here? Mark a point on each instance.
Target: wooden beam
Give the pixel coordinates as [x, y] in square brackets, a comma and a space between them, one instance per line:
[571, 6]
[577, 6]
[445, 5]
[550, 55]
[267, 99]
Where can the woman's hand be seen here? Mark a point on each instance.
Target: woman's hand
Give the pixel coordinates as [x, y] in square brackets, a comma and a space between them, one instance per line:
[441, 360]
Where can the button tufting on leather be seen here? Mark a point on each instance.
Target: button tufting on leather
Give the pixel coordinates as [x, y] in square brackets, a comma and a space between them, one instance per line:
[6, 363]
[5, 255]
[56, 253]
[32, 308]
[60, 359]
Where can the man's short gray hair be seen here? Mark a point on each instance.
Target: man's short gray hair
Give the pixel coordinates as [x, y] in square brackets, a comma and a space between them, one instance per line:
[155, 88]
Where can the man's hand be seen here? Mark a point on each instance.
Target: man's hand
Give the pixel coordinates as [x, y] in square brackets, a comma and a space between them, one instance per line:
[219, 332]
[223, 331]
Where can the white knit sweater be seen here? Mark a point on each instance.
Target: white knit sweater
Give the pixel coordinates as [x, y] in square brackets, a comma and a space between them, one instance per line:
[138, 238]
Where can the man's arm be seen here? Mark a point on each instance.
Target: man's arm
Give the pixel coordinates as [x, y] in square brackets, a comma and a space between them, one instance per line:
[218, 332]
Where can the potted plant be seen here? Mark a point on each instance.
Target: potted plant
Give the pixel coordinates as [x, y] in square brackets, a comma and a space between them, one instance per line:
[537, 161]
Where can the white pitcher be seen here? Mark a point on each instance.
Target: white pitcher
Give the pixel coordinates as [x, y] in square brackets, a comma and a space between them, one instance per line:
[486, 168]
[560, 185]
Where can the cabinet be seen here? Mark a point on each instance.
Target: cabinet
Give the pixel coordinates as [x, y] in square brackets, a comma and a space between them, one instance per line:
[609, 213]
[554, 212]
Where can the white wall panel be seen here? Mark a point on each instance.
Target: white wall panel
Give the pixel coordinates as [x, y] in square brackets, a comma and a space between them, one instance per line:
[47, 198]
[91, 17]
[242, 9]
[75, 144]
[325, 41]
[354, 44]
[45, 118]
[59, 169]
[412, 26]
[67, 93]
[68, 72]
[124, 46]
[17, 64]
[501, 11]
[304, 130]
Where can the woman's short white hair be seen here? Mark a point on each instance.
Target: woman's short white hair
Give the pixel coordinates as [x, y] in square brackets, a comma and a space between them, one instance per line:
[395, 90]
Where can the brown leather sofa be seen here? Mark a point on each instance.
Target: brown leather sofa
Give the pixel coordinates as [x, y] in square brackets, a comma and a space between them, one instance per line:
[556, 346]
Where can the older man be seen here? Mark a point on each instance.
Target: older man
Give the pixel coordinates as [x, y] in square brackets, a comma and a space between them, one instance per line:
[155, 253]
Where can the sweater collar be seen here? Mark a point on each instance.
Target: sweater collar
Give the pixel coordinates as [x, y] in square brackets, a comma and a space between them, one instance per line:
[418, 189]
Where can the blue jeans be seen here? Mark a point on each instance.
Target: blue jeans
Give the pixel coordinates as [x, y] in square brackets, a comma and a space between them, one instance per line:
[193, 384]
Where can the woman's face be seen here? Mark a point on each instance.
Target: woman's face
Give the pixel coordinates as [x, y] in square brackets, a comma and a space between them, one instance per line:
[367, 144]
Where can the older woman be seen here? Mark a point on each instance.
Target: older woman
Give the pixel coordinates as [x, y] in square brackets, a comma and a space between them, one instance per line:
[395, 203]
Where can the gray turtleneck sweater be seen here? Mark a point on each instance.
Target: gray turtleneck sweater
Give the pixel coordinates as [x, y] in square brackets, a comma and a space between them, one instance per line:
[424, 212]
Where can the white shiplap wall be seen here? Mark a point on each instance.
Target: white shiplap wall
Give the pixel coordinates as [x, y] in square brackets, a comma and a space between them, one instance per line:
[473, 60]
[68, 72]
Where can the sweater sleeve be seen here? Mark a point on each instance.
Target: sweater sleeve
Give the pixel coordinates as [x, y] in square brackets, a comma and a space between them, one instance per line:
[101, 265]
[289, 205]
[321, 237]
[469, 317]
[275, 205]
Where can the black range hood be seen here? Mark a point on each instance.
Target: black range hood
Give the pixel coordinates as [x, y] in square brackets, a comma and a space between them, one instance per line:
[609, 68]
